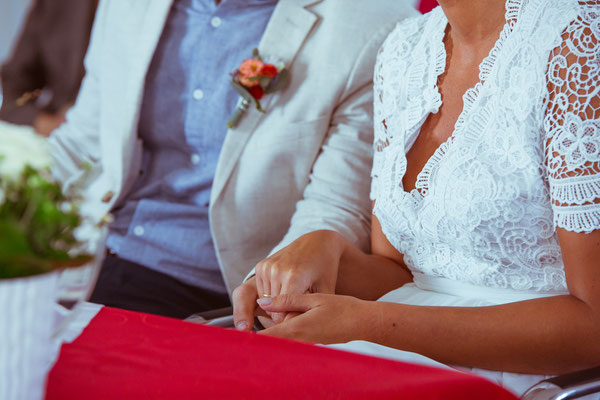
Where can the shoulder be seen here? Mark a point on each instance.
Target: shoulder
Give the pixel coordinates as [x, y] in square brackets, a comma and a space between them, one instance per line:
[552, 19]
[347, 36]
[364, 21]
[409, 36]
[366, 14]
[575, 49]
[583, 22]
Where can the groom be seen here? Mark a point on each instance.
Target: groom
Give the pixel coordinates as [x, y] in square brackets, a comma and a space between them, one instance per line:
[197, 205]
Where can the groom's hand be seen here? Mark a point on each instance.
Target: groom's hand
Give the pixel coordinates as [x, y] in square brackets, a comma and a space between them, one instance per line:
[245, 307]
[308, 265]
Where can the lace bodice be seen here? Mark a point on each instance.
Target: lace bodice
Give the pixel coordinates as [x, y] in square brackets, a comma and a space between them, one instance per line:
[524, 157]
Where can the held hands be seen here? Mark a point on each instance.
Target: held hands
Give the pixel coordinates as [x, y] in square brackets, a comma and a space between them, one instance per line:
[308, 265]
[325, 318]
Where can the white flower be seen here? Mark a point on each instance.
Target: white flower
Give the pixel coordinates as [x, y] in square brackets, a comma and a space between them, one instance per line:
[20, 146]
[578, 141]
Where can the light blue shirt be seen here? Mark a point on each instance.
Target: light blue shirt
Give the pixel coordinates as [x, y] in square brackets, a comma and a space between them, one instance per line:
[163, 224]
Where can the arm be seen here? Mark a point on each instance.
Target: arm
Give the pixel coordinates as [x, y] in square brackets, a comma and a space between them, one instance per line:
[550, 336]
[76, 143]
[378, 273]
[544, 336]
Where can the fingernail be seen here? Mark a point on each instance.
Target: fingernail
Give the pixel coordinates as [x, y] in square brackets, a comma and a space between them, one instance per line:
[242, 326]
[265, 301]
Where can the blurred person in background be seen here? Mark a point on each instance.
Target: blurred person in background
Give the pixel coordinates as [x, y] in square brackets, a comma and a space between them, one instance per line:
[41, 78]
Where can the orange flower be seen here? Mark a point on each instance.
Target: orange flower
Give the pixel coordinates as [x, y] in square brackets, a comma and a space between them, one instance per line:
[250, 68]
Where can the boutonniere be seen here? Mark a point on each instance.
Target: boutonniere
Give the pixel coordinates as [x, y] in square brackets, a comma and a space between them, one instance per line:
[253, 80]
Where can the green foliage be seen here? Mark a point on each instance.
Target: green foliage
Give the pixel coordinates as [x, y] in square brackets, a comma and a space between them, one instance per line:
[37, 224]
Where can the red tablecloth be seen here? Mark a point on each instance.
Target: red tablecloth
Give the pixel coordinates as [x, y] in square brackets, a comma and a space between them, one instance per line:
[126, 355]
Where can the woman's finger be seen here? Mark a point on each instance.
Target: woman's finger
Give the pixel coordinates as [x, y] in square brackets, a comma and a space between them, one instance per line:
[289, 286]
[289, 302]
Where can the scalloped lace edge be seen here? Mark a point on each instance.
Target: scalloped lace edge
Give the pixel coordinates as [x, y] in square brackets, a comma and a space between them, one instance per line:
[579, 219]
[567, 191]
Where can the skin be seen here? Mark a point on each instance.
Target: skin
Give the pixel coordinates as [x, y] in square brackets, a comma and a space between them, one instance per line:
[45, 123]
[544, 336]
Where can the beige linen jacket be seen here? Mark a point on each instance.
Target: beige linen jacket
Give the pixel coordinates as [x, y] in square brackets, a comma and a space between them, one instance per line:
[304, 165]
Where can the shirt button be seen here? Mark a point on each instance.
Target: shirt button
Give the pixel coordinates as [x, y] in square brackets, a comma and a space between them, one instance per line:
[216, 22]
[198, 94]
[139, 230]
[195, 159]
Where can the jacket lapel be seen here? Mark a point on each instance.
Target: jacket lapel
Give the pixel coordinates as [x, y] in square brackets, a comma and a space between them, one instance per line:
[153, 20]
[286, 31]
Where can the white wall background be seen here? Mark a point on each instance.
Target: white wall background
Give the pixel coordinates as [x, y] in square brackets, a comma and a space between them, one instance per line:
[12, 13]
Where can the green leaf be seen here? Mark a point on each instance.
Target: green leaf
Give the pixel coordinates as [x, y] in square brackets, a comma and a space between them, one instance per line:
[36, 235]
[242, 91]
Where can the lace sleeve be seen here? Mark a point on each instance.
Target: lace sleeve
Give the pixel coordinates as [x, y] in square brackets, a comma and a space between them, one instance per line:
[572, 124]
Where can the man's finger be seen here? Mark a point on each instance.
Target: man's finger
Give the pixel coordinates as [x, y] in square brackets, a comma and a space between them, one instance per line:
[244, 304]
[289, 302]
[291, 286]
[294, 286]
[291, 315]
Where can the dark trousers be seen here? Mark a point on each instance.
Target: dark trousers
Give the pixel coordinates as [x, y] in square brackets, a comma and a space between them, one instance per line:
[125, 284]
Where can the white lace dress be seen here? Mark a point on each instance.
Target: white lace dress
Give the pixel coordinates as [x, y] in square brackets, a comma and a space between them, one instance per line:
[524, 159]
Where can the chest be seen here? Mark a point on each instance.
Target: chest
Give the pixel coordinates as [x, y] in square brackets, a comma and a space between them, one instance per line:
[461, 74]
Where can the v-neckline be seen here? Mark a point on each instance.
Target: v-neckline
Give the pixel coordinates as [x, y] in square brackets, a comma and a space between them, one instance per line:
[437, 66]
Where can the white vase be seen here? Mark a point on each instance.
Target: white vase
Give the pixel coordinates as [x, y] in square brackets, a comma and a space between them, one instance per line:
[26, 326]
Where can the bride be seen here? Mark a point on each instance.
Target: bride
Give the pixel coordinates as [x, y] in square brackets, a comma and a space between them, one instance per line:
[486, 192]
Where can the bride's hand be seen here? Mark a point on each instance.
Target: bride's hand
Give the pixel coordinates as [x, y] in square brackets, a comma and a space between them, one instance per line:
[308, 265]
[325, 319]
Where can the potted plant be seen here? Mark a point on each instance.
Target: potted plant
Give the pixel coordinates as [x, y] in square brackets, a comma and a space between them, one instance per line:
[39, 237]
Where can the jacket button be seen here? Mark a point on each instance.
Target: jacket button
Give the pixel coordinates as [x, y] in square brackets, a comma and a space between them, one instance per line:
[108, 196]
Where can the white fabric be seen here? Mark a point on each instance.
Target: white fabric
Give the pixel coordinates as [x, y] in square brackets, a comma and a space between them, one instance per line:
[306, 160]
[78, 321]
[26, 328]
[524, 158]
[447, 294]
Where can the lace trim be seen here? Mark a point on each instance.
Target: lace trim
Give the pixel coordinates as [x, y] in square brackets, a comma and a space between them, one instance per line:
[431, 95]
[422, 184]
[471, 95]
[441, 57]
[579, 219]
[487, 65]
[578, 190]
